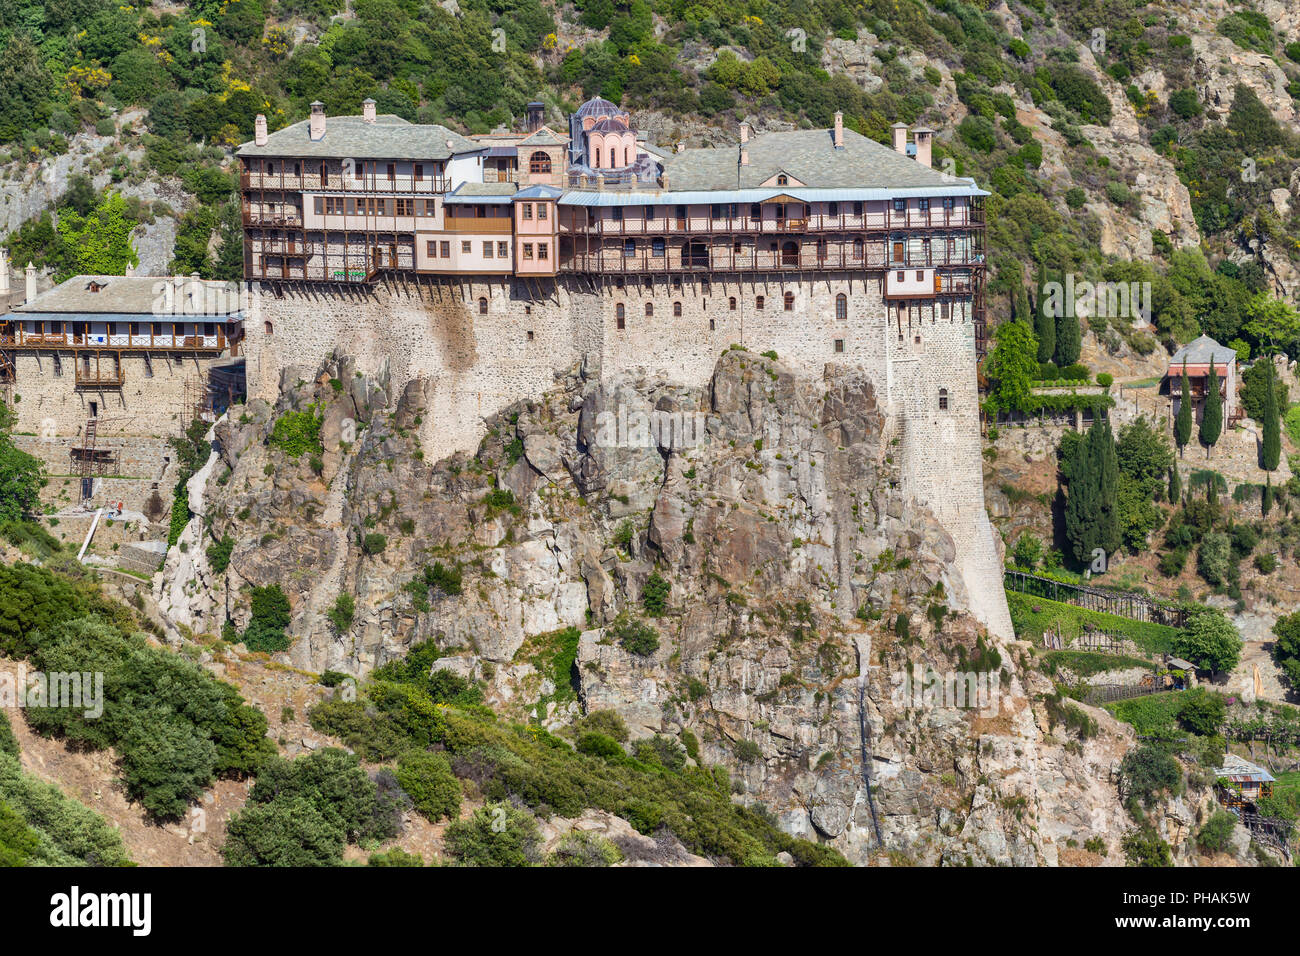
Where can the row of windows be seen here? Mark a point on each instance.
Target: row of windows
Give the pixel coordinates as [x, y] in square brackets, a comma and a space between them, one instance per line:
[781, 210]
[358, 169]
[760, 303]
[56, 327]
[527, 212]
[371, 206]
[499, 249]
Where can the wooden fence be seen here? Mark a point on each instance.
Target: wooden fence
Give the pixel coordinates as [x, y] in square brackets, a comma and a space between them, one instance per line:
[1136, 607]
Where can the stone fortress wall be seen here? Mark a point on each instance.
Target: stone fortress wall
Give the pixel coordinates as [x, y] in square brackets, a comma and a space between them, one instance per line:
[477, 362]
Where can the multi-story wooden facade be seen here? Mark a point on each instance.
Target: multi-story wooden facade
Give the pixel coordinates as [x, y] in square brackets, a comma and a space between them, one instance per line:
[346, 199]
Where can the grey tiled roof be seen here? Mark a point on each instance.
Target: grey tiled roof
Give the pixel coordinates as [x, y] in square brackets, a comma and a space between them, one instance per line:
[132, 295]
[388, 137]
[1202, 351]
[542, 137]
[807, 156]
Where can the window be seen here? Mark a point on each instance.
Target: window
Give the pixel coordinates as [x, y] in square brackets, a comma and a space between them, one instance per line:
[943, 399]
[859, 248]
[209, 329]
[270, 168]
[267, 328]
[465, 247]
[731, 304]
[431, 247]
[657, 247]
[356, 169]
[857, 209]
[482, 305]
[629, 248]
[405, 207]
[334, 205]
[539, 163]
[736, 247]
[620, 314]
[351, 206]
[446, 249]
[528, 210]
[487, 250]
[419, 172]
[783, 180]
[900, 205]
[649, 309]
[428, 207]
[901, 275]
[789, 301]
[920, 276]
[947, 204]
[839, 345]
[503, 249]
[758, 303]
[616, 213]
[923, 205]
[841, 306]
[319, 204]
[541, 250]
[756, 211]
[677, 310]
[528, 250]
[833, 209]
[541, 211]
[392, 172]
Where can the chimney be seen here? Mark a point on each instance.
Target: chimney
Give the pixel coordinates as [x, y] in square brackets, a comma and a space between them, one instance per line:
[923, 136]
[536, 112]
[900, 138]
[130, 270]
[317, 128]
[744, 133]
[368, 110]
[839, 130]
[744, 156]
[259, 130]
[31, 282]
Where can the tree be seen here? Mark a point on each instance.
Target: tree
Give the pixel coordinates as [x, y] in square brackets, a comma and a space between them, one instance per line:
[496, 835]
[1143, 453]
[1271, 451]
[1212, 416]
[1069, 337]
[1255, 382]
[427, 777]
[1175, 485]
[1286, 649]
[1092, 505]
[1012, 365]
[1183, 423]
[1209, 641]
[1044, 322]
[20, 481]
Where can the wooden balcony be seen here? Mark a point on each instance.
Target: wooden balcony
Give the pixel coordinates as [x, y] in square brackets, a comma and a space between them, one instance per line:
[100, 376]
[497, 225]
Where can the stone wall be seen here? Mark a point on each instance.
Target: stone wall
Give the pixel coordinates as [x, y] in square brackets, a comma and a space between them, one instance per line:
[484, 344]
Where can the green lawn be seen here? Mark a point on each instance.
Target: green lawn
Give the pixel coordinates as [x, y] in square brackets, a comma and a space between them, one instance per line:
[1032, 615]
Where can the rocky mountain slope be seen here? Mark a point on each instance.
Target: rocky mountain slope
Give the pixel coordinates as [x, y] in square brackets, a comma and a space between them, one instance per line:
[754, 590]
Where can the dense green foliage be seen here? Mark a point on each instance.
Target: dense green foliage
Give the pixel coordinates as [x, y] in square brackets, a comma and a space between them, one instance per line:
[41, 826]
[21, 475]
[174, 726]
[270, 620]
[1031, 616]
[1092, 507]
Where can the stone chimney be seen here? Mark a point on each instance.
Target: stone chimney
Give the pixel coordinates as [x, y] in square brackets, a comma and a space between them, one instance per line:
[317, 128]
[31, 282]
[535, 112]
[839, 130]
[368, 110]
[744, 156]
[744, 133]
[259, 130]
[924, 137]
[900, 138]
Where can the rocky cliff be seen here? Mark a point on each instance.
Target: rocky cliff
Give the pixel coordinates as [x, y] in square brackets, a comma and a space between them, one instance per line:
[730, 567]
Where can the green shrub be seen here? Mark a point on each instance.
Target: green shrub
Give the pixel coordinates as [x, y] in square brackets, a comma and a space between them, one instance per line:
[636, 637]
[1147, 771]
[219, 554]
[296, 433]
[654, 598]
[395, 857]
[374, 543]
[1216, 835]
[342, 613]
[427, 777]
[1144, 847]
[584, 848]
[496, 835]
[267, 627]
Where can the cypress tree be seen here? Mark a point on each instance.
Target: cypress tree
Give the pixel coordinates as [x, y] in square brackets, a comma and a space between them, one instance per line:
[1069, 339]
[1212, 417]
[1044, 322]
[1266, 500]
[1272, 449]
[1091, 514]
[1183, 423]
[1175, 485]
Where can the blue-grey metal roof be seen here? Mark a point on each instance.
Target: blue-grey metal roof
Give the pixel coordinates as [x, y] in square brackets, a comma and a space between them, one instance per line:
[124, 317]
[539, 192]
[480, 193]
[579, 197]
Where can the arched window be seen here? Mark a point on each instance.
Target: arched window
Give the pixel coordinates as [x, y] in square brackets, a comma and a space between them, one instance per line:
[649, 309]
[789, 301]
[612, 161]
[539, 162]
[841, 306]
[758, 303]
[269, 330]
[482, 305]
[943, 399]
[626, 157]
[731, 304]
[677, 310]
[783, 180]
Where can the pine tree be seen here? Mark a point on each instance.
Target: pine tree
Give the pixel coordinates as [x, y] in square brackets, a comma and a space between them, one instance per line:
[1212, 417]
[1044, 323]
[1069, 338]
[1272, 445]
[1175, 485]
[1183, 423]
